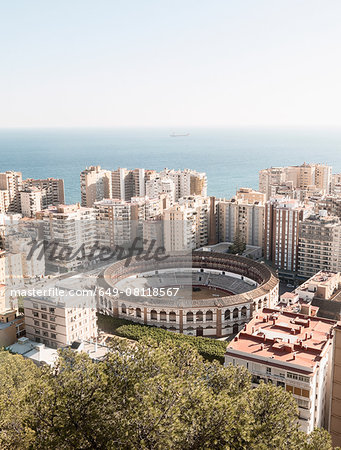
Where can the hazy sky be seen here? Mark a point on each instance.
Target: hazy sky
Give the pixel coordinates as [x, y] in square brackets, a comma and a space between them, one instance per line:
[173, 63]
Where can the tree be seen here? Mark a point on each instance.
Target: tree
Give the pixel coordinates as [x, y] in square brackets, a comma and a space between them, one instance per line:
[146, 395]
[16, 377]
[238, 246]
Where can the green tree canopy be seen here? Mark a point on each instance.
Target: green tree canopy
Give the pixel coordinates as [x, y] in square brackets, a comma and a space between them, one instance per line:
[145, 395]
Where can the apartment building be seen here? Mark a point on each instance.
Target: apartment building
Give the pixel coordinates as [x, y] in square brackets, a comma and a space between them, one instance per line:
[52, 190]
[336, 184]
[329, 203]
[187, 182]
[335, 410]
[95, 185]
[12, 183]
[293, 351]
[242, 216]
[305, 180]
[128, 183]
[4, 201]
[186, 224]
[70, 232]
[282, 224]
[158, 186]
[319, 244]
[113, 222]
[31, 200]
[58, 319]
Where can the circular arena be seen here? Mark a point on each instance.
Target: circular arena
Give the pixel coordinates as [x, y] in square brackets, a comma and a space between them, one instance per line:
[202, 294]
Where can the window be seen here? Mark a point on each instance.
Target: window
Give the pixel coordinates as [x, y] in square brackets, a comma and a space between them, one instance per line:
[189, 317]
[53, 336]
[35, 314]
[52, 310]
[35, 305]
[199, 316]
[209, 316]
[44, 316]
[52, 319]
[235, 313]
[52, 327]
[37, 323]
[295, 376]
[163, 316]
[172, 317]
[44, 324]
[43, 308]
[45, 333]
[37, 331]
[138, 312]
[268, 370]
[153, 314]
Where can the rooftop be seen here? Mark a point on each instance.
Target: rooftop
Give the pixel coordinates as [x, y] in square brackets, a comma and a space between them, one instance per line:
[285, 337]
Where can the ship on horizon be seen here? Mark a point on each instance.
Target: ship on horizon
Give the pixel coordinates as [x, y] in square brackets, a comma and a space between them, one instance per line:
[179, 134]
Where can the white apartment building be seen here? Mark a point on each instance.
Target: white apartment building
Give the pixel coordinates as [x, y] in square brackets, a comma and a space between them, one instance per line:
[282, 224]
[31, 200]
[113, 222]
[161, 185]
[242, 216]
[65, 315]
[70, 231]
[187, 182]
[95, 185]
[186, 224]
[293, 351]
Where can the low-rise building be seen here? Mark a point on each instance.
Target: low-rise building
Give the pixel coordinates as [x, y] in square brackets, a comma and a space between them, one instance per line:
[61, 312]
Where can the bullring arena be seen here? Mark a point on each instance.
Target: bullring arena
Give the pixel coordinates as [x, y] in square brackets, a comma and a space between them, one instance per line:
[203, 294]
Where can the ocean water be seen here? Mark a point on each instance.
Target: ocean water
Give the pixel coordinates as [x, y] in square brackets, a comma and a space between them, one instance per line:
[230, 157]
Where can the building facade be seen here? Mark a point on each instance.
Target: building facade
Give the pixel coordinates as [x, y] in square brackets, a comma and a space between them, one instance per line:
[293, 351]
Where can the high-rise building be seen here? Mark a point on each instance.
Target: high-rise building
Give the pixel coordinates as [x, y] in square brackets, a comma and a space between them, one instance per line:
[4, 201]
[302, 181]
[70, 232]
[95, 185]
[319, 244]
[186, 224]
[113, 222]
[242, 217]
[52, 190]
[186, 182]
[128, 183]
[31, 199]
[282, 224]
[293, 351]
[12, 183]
[161, 185]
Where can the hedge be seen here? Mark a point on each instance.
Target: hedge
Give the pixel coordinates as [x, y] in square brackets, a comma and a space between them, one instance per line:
[209, 348]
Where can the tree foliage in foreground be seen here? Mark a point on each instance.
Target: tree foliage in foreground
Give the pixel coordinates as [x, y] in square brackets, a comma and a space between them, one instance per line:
[144, 396]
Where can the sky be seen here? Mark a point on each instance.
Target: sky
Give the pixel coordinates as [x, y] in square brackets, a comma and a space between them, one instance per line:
[173, 63]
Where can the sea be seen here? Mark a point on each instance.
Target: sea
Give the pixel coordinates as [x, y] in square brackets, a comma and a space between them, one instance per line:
[231, 158]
